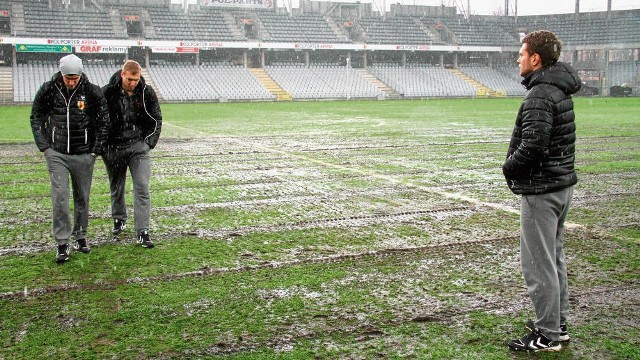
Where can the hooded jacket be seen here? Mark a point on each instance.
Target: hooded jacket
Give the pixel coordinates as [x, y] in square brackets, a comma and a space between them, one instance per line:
[146, 121]
[541, 153]
[70, 121]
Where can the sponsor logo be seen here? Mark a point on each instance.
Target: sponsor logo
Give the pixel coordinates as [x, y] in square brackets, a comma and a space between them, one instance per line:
[313, 46]
[72, 42]
[100, 49]
[81, 102]
[201, 44]
[412, 47]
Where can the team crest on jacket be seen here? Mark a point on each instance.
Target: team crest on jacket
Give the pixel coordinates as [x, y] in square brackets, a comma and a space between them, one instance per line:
[81, 102]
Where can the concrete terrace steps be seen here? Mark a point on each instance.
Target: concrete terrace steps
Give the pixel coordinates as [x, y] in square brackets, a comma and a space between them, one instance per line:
[270, 84]
[481, 90]
[149, 81]
[389, 91]
[6, 85]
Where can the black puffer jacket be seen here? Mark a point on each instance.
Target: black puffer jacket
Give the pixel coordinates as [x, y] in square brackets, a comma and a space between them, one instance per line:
[147, 123]
[70, 122]
[542, 150]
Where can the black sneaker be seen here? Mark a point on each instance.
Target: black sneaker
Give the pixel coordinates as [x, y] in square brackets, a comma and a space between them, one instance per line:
[145, 240]
[63, 253]
[118, 226]
[534, 342]
[564, 332]
[81, 245]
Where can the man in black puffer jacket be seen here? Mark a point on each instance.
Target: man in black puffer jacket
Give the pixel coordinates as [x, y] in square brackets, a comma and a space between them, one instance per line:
[540, 167]
[136, 122]
[70, 124]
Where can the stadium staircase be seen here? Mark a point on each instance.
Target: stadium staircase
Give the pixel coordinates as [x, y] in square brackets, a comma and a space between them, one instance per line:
[117, 23]
[337, 30]
[6, 85]
[149, 80]
[481, 90]
[270, 84]
[230, 21]
[149, 28]
[389, 91]
[17, 19]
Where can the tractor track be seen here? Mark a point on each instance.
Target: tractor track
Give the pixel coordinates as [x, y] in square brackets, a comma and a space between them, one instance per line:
[161, 154]
[468, 246]
[330, 326]
[351, 221]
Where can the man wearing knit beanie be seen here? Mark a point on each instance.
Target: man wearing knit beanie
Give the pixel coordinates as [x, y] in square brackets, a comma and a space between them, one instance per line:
[70, 124]
[71, 65]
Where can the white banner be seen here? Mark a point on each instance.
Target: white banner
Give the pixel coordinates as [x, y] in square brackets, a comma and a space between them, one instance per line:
[159, 46]
[173, 49]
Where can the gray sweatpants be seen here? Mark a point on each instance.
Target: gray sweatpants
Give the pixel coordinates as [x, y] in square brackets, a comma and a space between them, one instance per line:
[79, 168]
[134, 157]
[542, 255]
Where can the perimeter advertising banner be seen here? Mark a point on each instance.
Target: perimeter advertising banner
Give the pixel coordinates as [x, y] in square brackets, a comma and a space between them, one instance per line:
[174, 49]
[99, 49]
[158, 46]
[247, 4]
[43, 48]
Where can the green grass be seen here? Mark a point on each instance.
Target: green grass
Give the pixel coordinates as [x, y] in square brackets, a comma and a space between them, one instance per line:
[329, 230]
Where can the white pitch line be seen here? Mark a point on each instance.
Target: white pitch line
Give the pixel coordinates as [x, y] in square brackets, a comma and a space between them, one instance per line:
[449, 195]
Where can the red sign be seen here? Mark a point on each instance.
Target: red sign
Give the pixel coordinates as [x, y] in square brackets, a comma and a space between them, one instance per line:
[187, 50]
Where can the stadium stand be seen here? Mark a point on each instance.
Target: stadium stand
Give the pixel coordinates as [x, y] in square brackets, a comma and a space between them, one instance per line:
[303, 28]
[399, 30]
[89, 23]
[180, 82]
[423, 81]
[210, 24]
[170, 25]
[29, 77]
[593, 28]
[318, 82]
[316, 72]
[495, 79]
[624, 73]
[479, 32]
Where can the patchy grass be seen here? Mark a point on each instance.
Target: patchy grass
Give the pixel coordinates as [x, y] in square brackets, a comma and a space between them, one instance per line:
[331, 230]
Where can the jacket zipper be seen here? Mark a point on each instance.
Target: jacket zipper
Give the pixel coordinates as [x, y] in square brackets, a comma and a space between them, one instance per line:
[68, 128]
[68, 104]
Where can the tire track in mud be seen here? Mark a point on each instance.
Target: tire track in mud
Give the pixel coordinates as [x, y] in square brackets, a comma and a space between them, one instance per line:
[15, 150]
[331, 327]
[384, 177]
[42, 215]
[342, 222]
[469, 246]
[351, 221]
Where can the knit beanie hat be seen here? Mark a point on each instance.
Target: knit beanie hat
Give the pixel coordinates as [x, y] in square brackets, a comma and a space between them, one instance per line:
[71, 65]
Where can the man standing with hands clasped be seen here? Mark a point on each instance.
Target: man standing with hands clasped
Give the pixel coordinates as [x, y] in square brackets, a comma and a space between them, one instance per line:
[135, 129]
[540, 167]
[70, 124]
